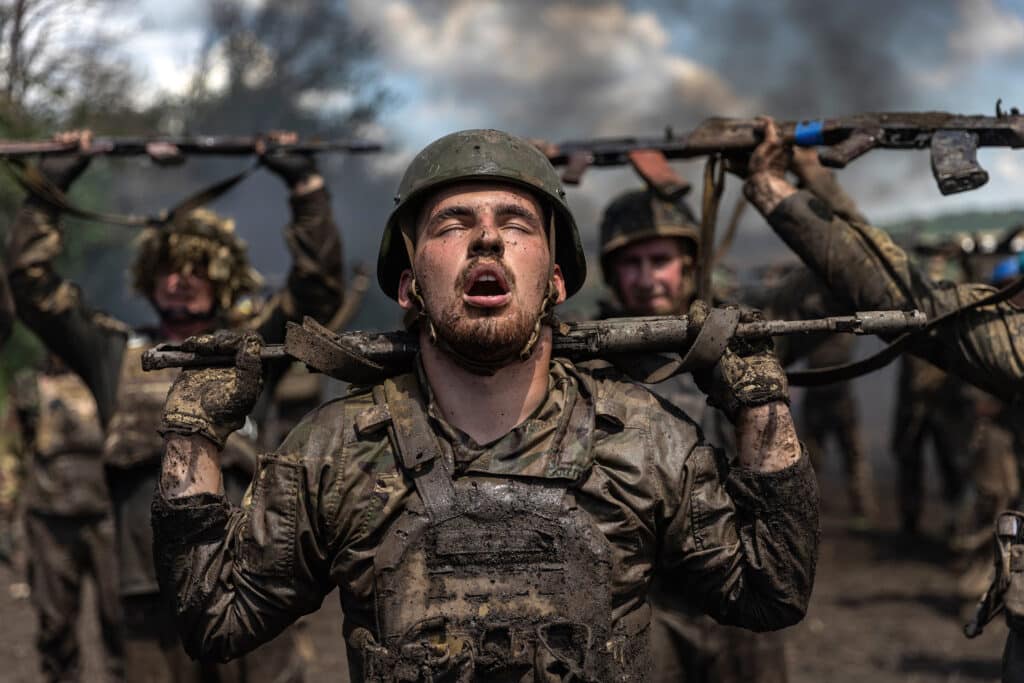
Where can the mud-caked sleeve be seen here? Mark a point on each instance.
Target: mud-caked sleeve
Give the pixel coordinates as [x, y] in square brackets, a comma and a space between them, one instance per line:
[316, 285]
[240, 575]
[740, 544]
[52, 306]
[866, 270]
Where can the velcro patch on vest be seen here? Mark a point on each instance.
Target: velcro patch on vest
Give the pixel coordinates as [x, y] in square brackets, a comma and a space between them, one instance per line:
[372, 419]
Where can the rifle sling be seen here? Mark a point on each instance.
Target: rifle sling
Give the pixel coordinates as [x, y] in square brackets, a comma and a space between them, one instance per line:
[39, 186]
[848, 371]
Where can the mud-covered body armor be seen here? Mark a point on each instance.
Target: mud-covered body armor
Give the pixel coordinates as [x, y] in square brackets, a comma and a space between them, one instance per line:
[491, 578]
[132, 439]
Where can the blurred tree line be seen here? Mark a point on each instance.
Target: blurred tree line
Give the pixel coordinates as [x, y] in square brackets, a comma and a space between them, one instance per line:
[299, 65]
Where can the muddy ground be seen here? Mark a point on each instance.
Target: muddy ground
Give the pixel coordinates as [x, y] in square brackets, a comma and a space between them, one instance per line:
[883, 611]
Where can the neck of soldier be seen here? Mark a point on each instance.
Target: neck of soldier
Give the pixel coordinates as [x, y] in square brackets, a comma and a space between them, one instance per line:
[486, 407]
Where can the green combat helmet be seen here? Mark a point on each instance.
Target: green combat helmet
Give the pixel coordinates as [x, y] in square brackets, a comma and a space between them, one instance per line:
[199, 239]
[488, 155]
[640, 215]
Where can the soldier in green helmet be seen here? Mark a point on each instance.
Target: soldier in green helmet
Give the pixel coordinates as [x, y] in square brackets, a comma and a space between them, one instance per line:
[496, 513]
[196, 274]
[649, 260]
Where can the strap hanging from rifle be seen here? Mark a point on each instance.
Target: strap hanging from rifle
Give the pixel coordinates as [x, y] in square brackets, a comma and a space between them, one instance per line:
[848, 371]
[38, 185]
[714, 183]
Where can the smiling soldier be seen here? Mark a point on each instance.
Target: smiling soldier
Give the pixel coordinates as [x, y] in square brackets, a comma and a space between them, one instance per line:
[495, 514]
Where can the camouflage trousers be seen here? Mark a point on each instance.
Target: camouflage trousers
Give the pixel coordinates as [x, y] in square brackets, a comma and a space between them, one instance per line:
[948, 435]
[694, 648]
[62, 551]
[825, 416]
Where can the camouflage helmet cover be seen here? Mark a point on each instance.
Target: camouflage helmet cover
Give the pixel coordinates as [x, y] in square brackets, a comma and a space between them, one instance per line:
[640, 215]
[487, 155]
[199, 239]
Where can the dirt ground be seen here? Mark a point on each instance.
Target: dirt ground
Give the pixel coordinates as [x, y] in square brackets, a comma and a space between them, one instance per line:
[883, 611]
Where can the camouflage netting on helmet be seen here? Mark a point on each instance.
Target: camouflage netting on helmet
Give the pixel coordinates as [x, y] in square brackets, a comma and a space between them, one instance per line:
[199, 241]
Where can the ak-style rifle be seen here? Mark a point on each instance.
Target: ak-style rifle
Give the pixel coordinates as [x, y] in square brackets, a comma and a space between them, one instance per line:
[952, 138]
[212, 145]
[362, 357]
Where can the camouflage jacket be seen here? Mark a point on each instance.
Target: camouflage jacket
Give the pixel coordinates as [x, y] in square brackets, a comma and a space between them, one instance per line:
[60, 430]
[740, 544]
[866, 270]
[93, 345]
[104, 353]
[6, 307]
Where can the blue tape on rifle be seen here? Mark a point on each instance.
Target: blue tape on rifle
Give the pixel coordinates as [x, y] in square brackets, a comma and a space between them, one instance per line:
[809, 133]
[1007, 269]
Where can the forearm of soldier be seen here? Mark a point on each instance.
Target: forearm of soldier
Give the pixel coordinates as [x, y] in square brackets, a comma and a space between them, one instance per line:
[822, 183]
[766, 438]
[766, 191]
[35, 238]
[316, 282]
[858, 263]
[191, 466]
[308, 185]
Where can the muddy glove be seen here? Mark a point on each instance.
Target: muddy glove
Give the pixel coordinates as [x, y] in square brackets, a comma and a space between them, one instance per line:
[215, 401]
[290, 167]
[747, 375]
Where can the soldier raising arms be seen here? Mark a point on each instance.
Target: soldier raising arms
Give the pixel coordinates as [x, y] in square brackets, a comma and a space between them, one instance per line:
[866, 270]
[193, 271]
[496, 514]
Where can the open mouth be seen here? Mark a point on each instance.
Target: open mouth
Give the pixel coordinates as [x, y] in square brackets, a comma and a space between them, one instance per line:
[486, 287]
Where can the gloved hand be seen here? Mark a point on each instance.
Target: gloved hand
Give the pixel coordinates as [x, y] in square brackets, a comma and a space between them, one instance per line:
[215, 401]
[63, 169]
[747, 375]
[290, 167]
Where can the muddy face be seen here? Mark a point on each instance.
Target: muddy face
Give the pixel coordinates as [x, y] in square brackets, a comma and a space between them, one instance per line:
[481, 264]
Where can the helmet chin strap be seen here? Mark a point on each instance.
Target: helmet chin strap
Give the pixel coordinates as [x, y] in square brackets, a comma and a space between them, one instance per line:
[488, 368]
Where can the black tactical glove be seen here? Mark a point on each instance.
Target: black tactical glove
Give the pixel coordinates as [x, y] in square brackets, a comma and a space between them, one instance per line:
[63, 169]
[215, 401]
[747, 375]
[292, 168]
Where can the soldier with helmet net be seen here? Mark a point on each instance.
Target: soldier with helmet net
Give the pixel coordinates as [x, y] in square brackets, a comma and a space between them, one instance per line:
[194, 271]
[491, 513]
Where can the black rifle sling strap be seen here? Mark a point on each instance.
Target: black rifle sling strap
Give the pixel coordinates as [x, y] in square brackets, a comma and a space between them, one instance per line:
[42, 188]
[848, 371]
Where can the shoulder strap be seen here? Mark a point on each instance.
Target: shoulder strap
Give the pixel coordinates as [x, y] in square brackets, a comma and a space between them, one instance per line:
[38, 185]
[418, 449]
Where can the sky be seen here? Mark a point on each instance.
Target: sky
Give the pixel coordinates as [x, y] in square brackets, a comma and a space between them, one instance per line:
[570, 69]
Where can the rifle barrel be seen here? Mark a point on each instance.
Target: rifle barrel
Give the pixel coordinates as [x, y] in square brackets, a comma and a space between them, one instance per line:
[198, 145]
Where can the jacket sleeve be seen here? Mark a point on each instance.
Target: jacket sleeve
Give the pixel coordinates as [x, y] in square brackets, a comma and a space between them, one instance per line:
[52, 307]
[865, 270]
[6, 307]
[743, 544]
[240, 575]
[315, 284]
